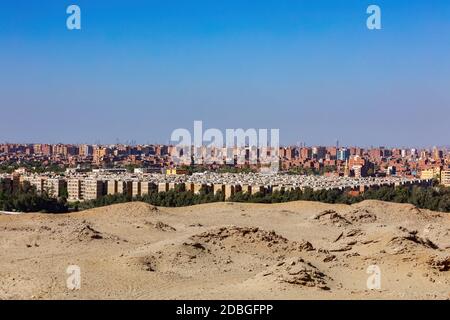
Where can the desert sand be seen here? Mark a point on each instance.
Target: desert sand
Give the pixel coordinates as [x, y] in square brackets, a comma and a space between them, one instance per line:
[297, 250]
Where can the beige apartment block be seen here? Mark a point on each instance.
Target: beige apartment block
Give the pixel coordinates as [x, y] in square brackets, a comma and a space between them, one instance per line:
[188, 186]
[229, 191]
[163, 187]
[125, 187]
[136, 189]
[246, 188]
[121, 187]
[197, 187]
[93, 189]
[277, 188]
[431, 173]
[218, 188]
[257, 188]
[54, 187]
[290, 188]
[74, 189]
[111, 187]
[37, 182]
[147, 187]
[445, 178]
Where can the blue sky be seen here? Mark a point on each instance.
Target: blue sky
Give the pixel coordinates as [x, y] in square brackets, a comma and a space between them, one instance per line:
[139, 69]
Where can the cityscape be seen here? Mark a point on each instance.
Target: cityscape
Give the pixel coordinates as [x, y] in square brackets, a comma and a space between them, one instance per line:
[88, 172]
[227, 157]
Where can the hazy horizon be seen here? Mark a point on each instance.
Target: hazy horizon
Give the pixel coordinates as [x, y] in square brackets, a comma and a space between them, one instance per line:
[135, 143]
[137, 70]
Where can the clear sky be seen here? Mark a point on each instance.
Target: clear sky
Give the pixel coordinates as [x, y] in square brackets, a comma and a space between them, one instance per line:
[139, 69]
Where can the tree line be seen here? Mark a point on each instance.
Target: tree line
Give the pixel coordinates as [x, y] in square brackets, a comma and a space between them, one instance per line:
[433, 198]
[27, 199]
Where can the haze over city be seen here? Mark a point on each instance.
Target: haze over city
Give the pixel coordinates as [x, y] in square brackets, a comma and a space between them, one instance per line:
[310, 68]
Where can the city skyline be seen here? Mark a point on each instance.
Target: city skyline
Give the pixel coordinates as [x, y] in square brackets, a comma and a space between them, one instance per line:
[88, 172]
[299, 144]
[310, 68]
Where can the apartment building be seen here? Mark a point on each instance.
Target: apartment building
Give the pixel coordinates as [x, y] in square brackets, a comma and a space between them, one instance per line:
[319, 152]
[74, 190]
[54, 187]
[35, 181]
[85, 150]
[125, 187]
[92, 189]
[99, 153]
[431, 173]
[343, 154]
[111, 187]
[136, 189]
[147, 187]
[445, 178]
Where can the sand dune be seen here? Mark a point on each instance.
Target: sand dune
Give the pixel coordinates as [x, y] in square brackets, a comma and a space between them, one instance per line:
[298, 250]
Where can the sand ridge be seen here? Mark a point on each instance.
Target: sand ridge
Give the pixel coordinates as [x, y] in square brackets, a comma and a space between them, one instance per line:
[297, 250]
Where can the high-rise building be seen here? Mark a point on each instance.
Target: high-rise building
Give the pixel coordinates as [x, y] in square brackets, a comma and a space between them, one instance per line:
[319, 152]
[437, 154]
[343, 154]
[100, 153]
[85, 150]
[305, 153]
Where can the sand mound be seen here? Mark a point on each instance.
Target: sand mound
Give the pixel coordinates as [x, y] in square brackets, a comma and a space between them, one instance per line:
[85, 232]
[161, 226]
[226, 248]
[361, 216]
[218, 251]
[397, 209]
[129, 209]
[296, 271]
[248, 234]
[229, 237]
[407, 241]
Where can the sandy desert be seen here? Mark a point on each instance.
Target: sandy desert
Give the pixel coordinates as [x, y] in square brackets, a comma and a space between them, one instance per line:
[297, 250]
